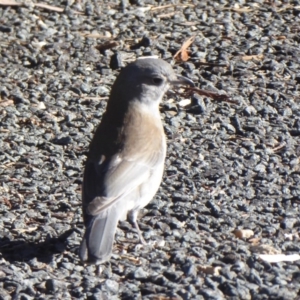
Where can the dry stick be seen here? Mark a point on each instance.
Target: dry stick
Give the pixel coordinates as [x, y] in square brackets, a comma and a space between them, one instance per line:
[41, 5]
[199, 63]
[171, 5]
[212, 95]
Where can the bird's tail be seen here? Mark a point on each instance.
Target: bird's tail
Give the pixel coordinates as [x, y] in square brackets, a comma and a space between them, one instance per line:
[97, 243]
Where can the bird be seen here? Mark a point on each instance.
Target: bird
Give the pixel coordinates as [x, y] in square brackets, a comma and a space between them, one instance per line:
[125, 163]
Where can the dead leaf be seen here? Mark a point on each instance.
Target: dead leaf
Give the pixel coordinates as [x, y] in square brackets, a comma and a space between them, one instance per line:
[243, 233]
[183, 53]
[279, 257]
[253, 57]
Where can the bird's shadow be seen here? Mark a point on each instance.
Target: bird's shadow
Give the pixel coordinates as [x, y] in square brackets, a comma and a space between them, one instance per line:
[19, 250]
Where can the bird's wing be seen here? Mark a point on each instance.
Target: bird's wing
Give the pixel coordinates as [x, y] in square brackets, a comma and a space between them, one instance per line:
[112, 178]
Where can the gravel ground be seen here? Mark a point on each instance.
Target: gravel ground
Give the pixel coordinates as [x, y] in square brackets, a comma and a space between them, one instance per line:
[232, 166]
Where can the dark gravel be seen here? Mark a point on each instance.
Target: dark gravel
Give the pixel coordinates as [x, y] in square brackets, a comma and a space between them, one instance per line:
[229, 166]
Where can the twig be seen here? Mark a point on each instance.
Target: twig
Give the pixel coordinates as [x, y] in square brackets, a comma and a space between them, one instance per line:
[199, 63]
[40, 5]
[212, 95]
[171, 5]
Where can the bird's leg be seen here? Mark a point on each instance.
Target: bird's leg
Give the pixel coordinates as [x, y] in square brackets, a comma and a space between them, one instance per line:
[133, 219]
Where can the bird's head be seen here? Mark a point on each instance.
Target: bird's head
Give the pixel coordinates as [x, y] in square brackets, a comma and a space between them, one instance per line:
[147, 80]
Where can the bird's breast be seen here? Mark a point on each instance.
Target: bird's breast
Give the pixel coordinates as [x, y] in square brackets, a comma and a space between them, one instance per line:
[143, 132]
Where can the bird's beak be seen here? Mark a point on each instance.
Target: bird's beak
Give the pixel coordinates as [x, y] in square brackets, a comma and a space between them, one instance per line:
[181, 80]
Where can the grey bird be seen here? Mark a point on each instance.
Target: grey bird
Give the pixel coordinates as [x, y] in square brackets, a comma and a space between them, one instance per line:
[126, 158]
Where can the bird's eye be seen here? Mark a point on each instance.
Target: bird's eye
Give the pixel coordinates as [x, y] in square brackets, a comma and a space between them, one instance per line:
[157, 80]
